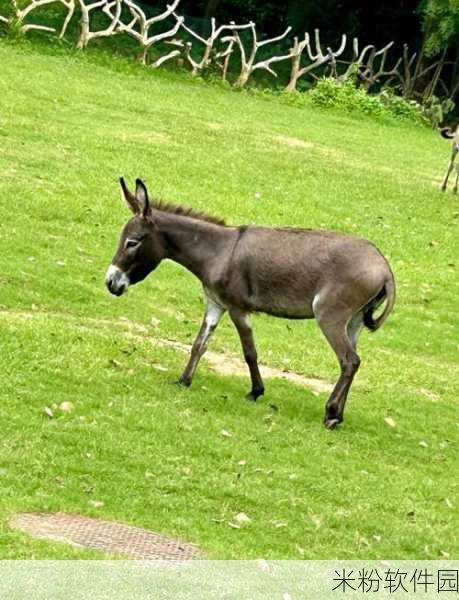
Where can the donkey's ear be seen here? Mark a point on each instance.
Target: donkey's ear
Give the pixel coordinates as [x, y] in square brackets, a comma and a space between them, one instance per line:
[129, 198]
[141, 195]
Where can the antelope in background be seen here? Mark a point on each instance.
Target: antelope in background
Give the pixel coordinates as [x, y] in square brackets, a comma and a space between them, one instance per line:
[450, 134]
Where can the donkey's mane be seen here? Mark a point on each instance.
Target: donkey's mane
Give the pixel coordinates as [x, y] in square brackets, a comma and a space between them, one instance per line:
[177, 209]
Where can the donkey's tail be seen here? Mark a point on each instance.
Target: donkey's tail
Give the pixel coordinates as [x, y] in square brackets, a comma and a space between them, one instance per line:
[387, 292]
[447, 133]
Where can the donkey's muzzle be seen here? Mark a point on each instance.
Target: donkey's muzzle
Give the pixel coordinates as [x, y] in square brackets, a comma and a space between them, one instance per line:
[116, 280]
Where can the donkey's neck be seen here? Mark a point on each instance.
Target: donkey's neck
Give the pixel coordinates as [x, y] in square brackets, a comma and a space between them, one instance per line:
[197, 245]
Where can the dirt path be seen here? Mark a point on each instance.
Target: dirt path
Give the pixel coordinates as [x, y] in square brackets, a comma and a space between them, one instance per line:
[223, 364]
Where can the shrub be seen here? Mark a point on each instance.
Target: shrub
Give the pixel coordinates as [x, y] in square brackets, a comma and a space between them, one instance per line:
[400, 108]
[330, 93]
[436, 109]
[344, 95]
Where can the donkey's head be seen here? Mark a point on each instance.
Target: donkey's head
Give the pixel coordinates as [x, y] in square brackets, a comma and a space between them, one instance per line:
[141, 246]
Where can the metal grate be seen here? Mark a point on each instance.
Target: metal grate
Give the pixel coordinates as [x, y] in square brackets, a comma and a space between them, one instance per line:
[109, 537]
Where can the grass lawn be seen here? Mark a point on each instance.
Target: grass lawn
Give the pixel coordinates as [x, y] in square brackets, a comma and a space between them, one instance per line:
[140, 450]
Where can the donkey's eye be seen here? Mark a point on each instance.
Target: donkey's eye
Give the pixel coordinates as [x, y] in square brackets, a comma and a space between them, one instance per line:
[132, 243]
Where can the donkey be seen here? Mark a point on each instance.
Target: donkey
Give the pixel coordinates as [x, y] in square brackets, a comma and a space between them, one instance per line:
[293, 273]
[449, 134]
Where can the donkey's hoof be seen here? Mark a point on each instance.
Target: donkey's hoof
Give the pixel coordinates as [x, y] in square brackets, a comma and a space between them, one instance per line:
[183, 382]
[331, 423]
[254, 394]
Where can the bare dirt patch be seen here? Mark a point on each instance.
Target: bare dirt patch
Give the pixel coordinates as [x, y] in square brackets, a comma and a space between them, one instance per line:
[223, 364]
[229, 365]
[293, 142]
[433, 396]
[214, 126]
[299, 144]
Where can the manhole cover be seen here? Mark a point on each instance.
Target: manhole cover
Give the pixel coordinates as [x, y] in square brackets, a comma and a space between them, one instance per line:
[109, 537]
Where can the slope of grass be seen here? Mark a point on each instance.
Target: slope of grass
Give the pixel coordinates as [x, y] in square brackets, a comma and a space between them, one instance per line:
[138, 449]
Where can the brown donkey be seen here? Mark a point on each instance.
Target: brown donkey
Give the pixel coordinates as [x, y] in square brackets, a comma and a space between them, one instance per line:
[451, 134]
[293, 273]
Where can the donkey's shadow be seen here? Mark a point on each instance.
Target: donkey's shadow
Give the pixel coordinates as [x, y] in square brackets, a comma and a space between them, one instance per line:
[285, 399]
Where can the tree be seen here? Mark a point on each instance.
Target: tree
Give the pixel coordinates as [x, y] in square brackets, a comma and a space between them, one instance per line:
[441, 25]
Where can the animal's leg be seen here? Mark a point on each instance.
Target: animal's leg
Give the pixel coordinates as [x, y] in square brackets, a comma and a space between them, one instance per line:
[449, 169]
[337, 333]
[354, 327]
[456, 185]
[241, 321]
[211, 319]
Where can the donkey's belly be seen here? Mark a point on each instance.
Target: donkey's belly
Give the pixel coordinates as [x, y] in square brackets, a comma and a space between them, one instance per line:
[288, 297]
[283, 306]
[288, 302]
[284, 311]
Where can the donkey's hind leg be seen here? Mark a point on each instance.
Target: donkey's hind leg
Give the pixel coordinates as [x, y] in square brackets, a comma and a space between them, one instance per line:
[354, 327]
[212, 317]
[342, 336]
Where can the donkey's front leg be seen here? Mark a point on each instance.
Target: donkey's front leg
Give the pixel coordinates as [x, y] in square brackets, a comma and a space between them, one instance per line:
[212, 317]
[242, 322]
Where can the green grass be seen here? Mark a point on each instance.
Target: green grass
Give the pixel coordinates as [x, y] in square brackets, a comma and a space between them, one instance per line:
[153, 454]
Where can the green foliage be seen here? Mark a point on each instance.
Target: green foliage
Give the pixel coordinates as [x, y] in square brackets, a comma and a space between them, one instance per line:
[437, 109]
[330, 93]
[400, 108]
[11, 29]
[441, 23]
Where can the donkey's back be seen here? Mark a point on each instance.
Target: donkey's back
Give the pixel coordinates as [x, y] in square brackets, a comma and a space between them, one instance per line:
[292, 272]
